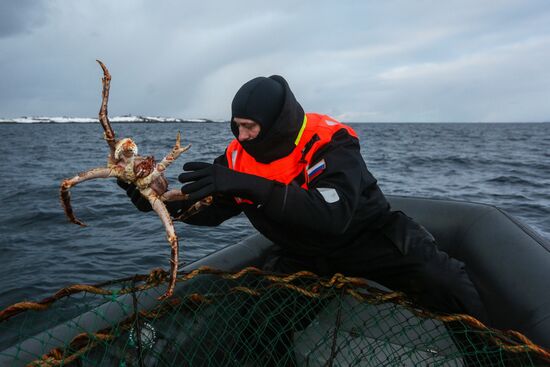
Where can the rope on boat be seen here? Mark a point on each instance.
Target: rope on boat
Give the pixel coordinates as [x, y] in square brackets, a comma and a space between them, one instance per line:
[358, 288]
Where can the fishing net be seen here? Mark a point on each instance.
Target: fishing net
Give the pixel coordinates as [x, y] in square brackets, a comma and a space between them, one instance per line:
[248, 318]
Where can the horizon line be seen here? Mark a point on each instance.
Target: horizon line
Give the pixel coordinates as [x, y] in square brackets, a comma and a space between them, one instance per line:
[158, 119]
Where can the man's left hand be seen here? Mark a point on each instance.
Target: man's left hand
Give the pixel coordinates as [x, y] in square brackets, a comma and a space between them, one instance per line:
[207, 179]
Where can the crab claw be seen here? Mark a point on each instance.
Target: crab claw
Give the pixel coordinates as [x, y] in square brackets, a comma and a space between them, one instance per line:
[178, 147]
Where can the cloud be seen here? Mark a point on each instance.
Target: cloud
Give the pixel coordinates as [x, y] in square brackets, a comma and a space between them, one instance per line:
[505, 83]
[360, 61]
[21, 16]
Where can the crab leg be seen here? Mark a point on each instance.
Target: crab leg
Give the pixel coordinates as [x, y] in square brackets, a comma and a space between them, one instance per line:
[160, 209]
[65, 195]
[103, 119]
[167, 161]
[174, 154]
[177, 195]
[173, 195]
[195, 208]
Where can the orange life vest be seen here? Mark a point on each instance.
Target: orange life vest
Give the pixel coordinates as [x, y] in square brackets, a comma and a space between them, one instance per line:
[316, 131]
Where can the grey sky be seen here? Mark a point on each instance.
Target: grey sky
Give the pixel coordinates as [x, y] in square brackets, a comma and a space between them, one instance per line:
[356, 60]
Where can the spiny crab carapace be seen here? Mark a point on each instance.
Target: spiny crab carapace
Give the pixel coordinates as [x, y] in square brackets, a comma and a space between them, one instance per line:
[125, 164]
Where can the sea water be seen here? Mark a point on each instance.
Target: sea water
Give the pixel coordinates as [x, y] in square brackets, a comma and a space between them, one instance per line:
[507, 165]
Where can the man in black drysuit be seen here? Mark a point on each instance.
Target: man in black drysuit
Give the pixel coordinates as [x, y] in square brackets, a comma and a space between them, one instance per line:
[340, 223]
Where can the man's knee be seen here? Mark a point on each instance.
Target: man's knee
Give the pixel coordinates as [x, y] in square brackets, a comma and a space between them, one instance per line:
[448, 288]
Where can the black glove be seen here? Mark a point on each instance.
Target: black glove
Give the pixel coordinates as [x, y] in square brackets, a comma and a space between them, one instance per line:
[133, 193]
[208, 179]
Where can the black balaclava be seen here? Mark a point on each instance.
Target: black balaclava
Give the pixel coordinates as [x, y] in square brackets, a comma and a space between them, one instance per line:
[270, 103]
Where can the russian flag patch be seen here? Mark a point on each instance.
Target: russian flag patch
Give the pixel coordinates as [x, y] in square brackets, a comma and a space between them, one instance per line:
[316, 169]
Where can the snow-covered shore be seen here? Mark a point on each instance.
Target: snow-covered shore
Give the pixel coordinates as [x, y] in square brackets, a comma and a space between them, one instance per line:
[87, 120]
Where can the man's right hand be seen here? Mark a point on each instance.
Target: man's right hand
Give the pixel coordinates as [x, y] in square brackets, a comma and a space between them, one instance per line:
[133, 193]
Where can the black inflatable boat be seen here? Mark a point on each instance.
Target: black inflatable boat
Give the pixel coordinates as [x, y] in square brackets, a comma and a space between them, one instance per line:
[508, 262]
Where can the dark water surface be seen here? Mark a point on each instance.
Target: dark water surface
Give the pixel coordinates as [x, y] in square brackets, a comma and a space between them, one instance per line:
[507, 165]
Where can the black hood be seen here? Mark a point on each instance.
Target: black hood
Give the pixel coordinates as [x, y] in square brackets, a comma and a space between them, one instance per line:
[276, 140]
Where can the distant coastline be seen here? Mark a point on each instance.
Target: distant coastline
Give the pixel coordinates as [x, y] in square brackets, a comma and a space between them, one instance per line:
[160, 120]
[87, 120]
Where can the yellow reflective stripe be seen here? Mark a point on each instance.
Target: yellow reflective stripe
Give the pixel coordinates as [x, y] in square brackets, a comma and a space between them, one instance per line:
[233, 158]
[301, 130]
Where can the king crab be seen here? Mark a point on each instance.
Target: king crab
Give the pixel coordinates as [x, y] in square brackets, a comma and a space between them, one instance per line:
[125, 164]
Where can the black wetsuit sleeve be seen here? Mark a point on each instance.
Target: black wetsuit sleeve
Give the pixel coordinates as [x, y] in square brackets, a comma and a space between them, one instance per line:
[329, 204]
[221, 209]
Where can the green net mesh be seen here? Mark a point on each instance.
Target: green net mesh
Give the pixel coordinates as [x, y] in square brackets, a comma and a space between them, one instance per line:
[248, 318]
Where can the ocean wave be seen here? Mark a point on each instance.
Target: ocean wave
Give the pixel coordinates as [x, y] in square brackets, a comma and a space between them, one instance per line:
[451, 161]
[515, 181]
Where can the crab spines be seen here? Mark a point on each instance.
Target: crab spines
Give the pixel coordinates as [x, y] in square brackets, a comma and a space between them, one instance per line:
[103, 113]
